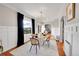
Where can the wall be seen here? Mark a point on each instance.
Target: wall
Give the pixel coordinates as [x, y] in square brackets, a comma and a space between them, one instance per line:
[75, 45]
[8, 27]
[55, 28]
[37, 23]
[72, 35]
[36, 26]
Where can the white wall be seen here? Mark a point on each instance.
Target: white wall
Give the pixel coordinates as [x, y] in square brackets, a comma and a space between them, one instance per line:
[72, 35]
[36, 25]
[8, 27]
[55, 27]
[75, 45]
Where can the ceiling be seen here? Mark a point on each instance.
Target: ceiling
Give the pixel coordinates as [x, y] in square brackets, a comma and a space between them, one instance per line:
[44, 11]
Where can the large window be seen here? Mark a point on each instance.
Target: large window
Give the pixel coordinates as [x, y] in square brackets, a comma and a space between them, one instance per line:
[27, 26]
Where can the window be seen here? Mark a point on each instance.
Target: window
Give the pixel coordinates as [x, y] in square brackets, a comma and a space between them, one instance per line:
[27, 26]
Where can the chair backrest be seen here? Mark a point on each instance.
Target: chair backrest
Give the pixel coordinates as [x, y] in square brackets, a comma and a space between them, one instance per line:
[34, 41]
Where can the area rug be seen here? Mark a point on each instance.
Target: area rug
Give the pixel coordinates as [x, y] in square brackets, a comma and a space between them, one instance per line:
[44, 50]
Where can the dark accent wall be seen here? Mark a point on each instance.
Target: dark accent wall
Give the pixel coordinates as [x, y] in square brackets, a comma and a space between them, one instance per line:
[33, 26]
[20, 40]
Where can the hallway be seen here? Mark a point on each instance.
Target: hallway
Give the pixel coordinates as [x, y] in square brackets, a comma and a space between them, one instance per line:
[55, 25]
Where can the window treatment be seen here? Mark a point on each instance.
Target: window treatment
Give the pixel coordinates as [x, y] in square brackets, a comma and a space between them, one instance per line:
[20, 40]
[33, 26]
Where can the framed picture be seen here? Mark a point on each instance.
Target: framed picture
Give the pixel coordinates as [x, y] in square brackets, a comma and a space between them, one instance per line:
[70, 11]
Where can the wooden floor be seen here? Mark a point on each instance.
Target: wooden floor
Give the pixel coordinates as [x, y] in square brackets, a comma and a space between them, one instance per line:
[7, 53]
[59, 46]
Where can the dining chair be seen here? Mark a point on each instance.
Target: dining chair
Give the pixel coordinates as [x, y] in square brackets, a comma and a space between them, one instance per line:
[34, 42]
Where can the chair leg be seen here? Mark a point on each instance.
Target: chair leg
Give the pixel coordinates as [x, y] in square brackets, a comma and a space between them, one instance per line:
[39, 46]
[44, 42]
[48, 43]
[30, 48]
[36, 49]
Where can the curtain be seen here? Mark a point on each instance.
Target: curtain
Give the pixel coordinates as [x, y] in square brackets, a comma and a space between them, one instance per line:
[20, 40]
[33, 26]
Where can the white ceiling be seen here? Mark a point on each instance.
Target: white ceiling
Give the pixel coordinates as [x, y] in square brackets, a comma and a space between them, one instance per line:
[49, 10]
